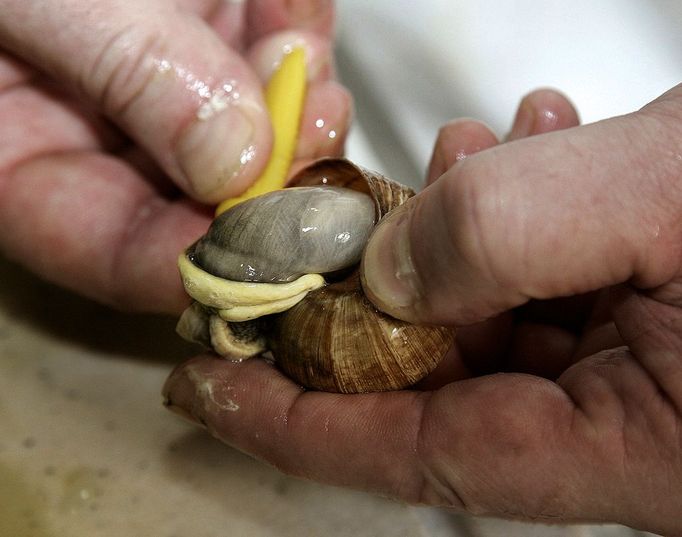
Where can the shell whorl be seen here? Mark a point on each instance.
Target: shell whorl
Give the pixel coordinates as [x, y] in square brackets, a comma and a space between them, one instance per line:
[335, 339]
[387, 194]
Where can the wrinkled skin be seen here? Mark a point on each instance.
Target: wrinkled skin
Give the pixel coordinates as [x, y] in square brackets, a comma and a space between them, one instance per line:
[585, 423]
[102, 161]
[559, 253]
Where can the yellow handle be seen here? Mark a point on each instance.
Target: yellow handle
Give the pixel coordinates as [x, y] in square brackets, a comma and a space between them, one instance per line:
[284, 97]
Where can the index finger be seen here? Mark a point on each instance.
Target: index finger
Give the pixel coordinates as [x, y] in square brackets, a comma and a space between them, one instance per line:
[505, 445]
[366, 441]
[165, 78]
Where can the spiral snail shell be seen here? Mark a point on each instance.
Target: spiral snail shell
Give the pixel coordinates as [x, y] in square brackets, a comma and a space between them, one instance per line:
[321, 329]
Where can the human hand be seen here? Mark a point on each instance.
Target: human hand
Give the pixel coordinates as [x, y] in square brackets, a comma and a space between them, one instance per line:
[590, 214]
[116, 115]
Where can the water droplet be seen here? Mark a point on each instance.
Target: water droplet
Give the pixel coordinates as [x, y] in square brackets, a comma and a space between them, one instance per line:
[204, 112]
[219, 99]
[163, 66]
[247, 155]
[342, 237]
[213, 100]
[319, 123]
[332, 134]
[81, 486]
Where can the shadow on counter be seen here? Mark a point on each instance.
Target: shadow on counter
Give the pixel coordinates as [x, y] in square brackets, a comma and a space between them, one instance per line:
[68, 316]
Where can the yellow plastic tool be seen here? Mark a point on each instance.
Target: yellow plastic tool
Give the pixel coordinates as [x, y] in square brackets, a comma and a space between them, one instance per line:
[284, 97]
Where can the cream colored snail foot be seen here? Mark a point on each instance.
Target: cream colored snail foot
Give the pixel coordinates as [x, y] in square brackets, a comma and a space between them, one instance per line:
[222, 316]
[239, 300]
[268, 258]
[235, 341]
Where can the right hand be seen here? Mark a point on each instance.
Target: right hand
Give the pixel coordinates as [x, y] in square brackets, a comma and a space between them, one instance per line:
[546, 440]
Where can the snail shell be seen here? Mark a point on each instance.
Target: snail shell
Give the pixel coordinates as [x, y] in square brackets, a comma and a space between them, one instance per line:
[333, 338]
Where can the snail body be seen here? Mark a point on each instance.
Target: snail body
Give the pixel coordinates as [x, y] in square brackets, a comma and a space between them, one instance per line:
[321, 329]
[284, 234]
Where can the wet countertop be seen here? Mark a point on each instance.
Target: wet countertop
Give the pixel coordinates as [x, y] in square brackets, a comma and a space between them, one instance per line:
[87, 449]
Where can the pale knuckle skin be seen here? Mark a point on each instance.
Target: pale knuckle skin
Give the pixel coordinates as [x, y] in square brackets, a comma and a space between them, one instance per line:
[521, 446]
[488, 460]
[478, 240]
[632, 433]
[495, 226]
[123, 69]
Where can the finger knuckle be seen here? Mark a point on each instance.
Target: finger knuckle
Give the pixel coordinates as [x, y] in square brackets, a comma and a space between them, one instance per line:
[437, 485]
[474, 210]
[122, 69]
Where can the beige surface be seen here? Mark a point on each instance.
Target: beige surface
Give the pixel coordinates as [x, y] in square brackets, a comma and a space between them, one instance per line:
[86, 449]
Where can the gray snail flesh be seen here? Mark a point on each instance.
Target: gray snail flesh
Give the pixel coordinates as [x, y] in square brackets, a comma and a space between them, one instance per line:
[323, 332]
[279, 236]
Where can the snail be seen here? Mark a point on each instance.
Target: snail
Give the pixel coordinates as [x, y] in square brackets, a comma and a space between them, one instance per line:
[280, 273]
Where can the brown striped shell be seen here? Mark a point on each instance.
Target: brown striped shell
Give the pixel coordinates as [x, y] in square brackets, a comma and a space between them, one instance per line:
[335, 339]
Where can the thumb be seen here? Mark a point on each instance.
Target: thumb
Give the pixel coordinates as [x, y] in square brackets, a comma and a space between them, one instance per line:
[164, 76]
[547, 216]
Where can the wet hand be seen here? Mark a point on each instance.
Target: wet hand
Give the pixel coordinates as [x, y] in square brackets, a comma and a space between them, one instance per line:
[118, 117]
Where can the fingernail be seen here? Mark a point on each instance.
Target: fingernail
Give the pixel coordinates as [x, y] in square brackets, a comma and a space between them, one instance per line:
[184, 414]
[546, 121]
[306, 12]
[214, 149]
[389, 278]
[179, 396]
[267, 57]
[524, 121]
